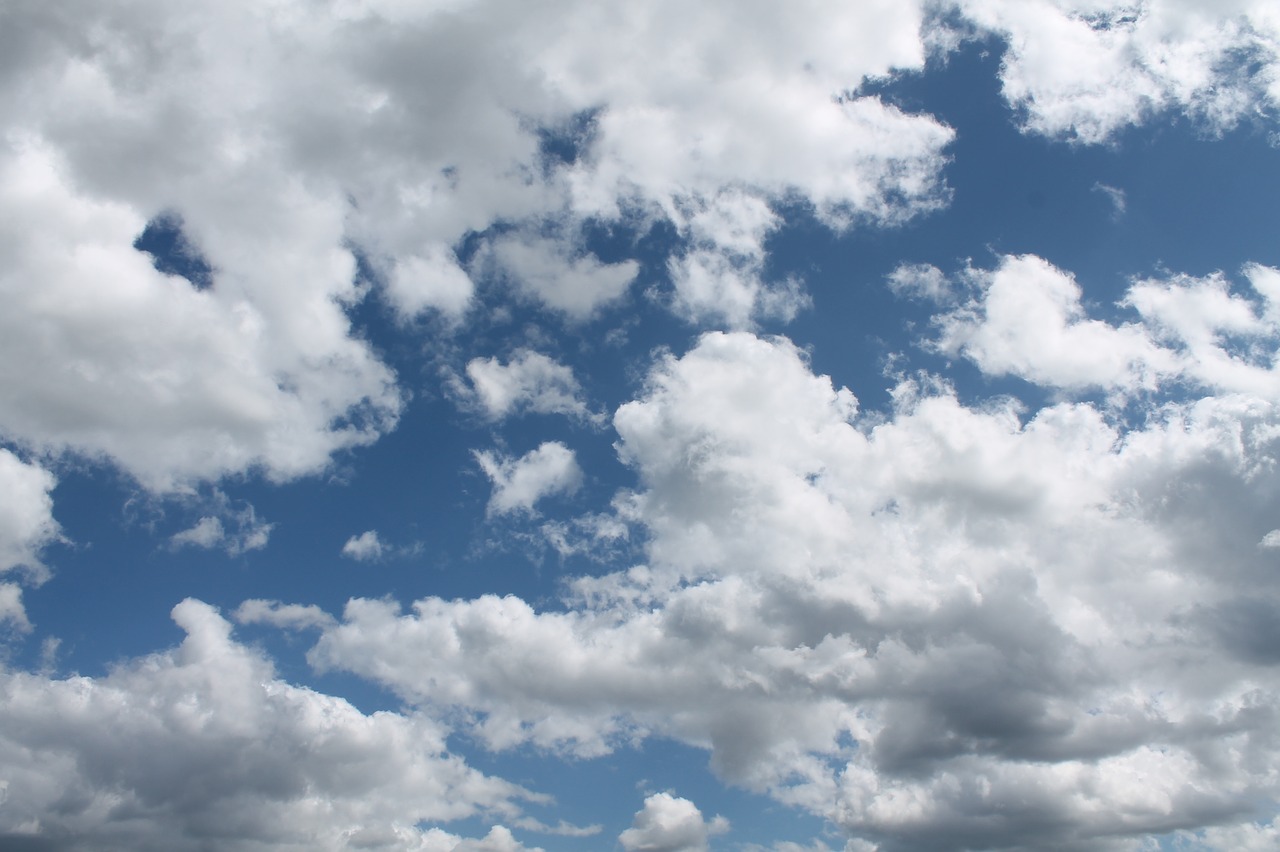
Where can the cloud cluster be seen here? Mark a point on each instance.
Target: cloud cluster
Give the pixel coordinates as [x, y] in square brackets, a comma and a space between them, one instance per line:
[959, 626]
[203, 746]
[285, 141]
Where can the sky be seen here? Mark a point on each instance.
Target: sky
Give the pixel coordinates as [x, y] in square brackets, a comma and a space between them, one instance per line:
[484, 426]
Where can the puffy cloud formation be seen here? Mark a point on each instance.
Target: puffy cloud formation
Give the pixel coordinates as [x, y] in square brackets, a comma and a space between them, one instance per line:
[520, 483]
[26, 514]
[528, 382]
[669, 823]
[282, 139]
[1027, 320]
[960, 626]
[1216, 61]
[365, 547]
[203, 746]
[26, 528]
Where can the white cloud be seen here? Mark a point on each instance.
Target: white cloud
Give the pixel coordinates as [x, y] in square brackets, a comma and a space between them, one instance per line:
[12, 612]
[365, 547]
[955, 625]
[26, 514]
[520, 483]
[1027, 320]
[285, 616]
[204, 745]
[235, 530]
[557, 274]
[669, 823]
[921, 281]
[1115, 195]
[720, 280]
[1218, 62]
[528, 382]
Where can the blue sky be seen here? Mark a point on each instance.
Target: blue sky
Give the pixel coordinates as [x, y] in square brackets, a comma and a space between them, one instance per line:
[470, 428]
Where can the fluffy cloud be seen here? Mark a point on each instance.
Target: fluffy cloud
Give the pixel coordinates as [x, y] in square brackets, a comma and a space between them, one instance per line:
[520, 483]
[958, 626]
[203, 745]
[1027, 320]
[669, 823]
[364, 547]
[1216, 61]
[286, 141]
[26, 528]
[529, 381]
[26, 514]
[556, 274]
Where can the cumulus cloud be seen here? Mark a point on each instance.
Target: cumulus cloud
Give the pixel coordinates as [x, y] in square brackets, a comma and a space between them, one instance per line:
[27, 526]
[204, 745]
[366, 547]
[285, 142]
[558, 275]
[528, 382]
[26, 514]
[720, 280]
[1028, 320]
[669, 823]
[519, 483]
[1217, 62]
[961, 626]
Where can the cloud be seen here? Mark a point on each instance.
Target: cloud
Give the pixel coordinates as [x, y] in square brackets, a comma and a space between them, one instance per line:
[204, 745]
[921, 281]
[236, 531]
[1027, 320]
[170, 382]
[1216, 62]
[520, 483]
[721, 279]
[27, 527]
[366, 547]
[967, 626]
[26, 515]
[1114, 195]
[528, 382]
[669, 823]
[557, 274]
[285, 616]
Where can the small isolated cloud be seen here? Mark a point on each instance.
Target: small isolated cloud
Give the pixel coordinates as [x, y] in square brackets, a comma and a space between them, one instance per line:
[520, 483]
[1271, 540]
[669, 823]
[528, 382]
[366, 547]
[1115, 196]
[234, 530]
[26, 514]
[285, 616]
[921, 281]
